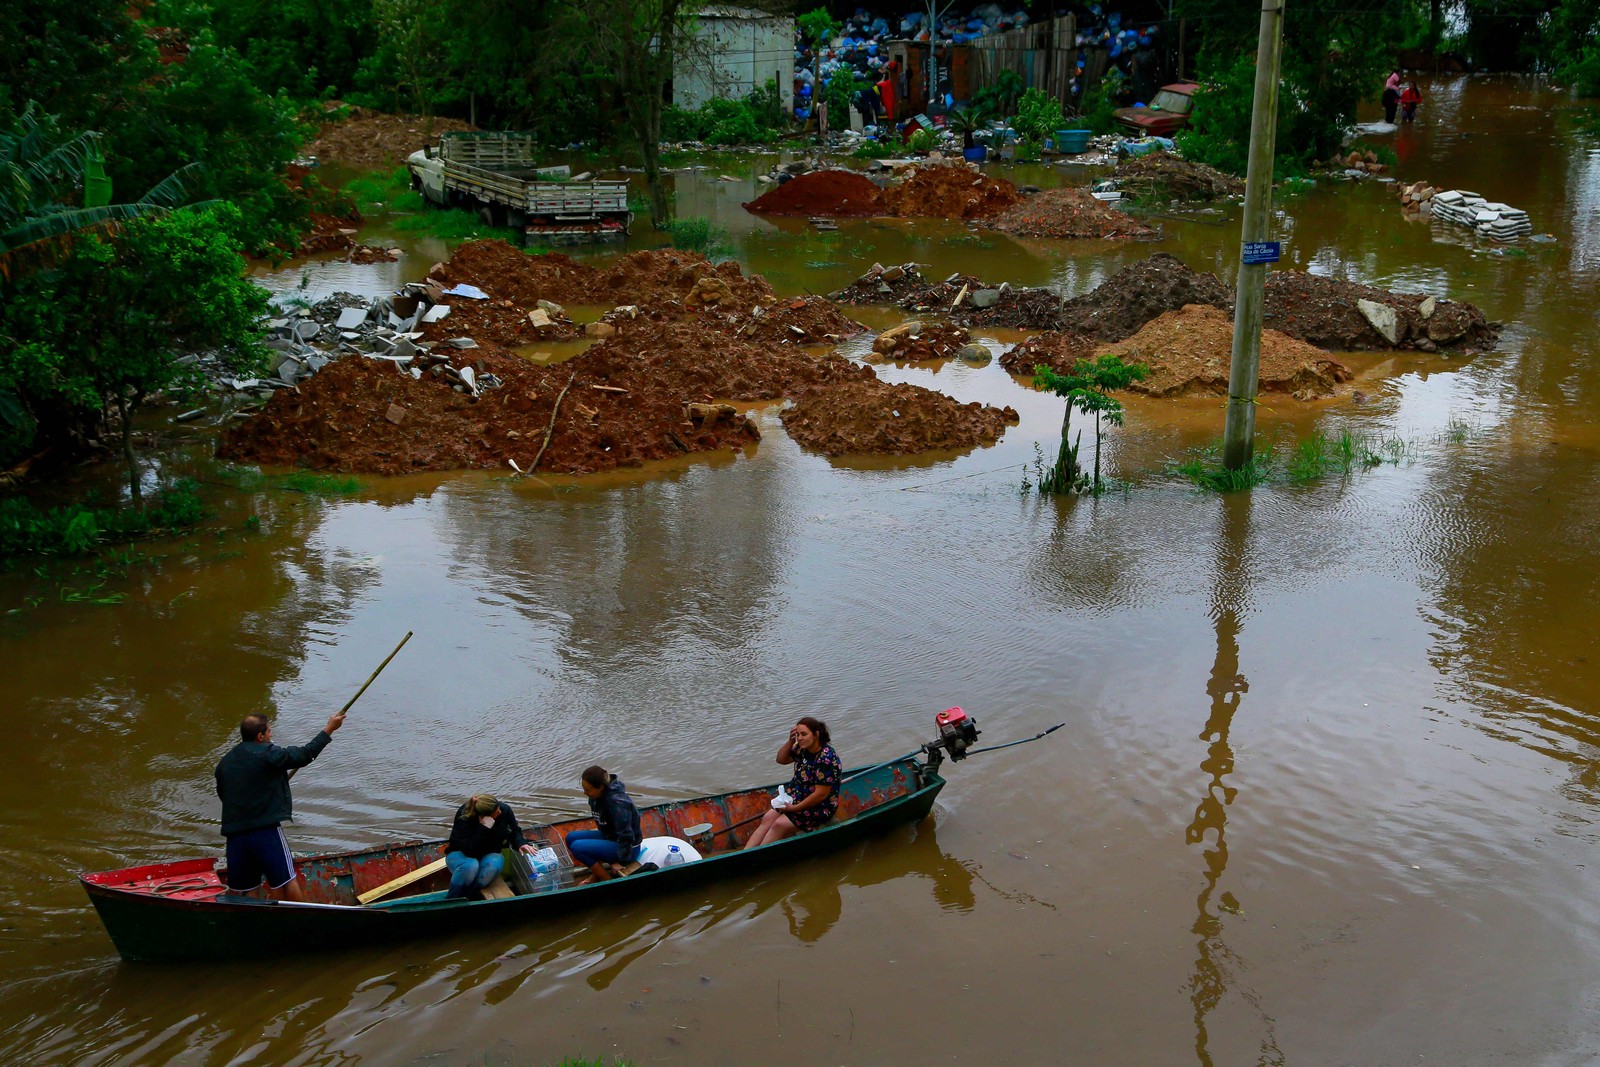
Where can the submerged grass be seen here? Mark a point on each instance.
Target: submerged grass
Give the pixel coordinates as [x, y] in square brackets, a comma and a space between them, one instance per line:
[314, 483]
[79, 529]
[1304, 461]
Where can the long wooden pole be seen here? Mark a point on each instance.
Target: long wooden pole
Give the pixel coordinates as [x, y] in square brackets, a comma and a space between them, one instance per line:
[1239, 431]
[371, 678]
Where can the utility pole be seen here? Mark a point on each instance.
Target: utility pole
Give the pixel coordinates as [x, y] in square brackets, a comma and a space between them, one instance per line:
[1239, 433]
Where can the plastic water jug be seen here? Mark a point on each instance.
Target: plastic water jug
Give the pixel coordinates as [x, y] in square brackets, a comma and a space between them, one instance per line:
[544, 861]
[675, 856]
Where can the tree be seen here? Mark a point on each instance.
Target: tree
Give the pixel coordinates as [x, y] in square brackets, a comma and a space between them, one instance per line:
[103, 330]
[1063, 477]
[1088, 388]
[638, 37]
[1335, 55]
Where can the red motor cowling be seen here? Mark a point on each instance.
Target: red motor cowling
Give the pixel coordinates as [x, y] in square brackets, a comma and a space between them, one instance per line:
[957, 732]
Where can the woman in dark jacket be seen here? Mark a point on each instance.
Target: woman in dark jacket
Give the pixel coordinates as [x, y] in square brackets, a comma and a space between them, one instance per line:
[482, 828]
[614, 845]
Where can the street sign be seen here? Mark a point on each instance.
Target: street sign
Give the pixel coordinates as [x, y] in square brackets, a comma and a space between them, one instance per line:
[1263, 251]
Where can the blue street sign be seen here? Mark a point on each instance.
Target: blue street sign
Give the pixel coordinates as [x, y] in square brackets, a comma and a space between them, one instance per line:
[1263, 251]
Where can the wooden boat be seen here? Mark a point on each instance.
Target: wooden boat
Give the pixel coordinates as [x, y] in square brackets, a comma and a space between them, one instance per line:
[183, 911]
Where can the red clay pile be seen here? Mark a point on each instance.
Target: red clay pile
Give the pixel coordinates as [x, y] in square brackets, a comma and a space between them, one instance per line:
[949, 192]
[830, 193]
[870, 416]
[1189, 351]
[637, 278]
[1070, 214]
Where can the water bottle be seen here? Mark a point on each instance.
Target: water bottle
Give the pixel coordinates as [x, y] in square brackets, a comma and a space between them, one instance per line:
[675, 856]
[543, 862]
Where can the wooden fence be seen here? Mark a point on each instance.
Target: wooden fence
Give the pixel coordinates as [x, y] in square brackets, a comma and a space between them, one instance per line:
[1044, 54]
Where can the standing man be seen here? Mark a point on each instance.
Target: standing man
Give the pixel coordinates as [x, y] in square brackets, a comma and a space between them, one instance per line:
[253, 782]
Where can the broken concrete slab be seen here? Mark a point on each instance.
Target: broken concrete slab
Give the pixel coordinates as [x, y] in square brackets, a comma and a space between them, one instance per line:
[555, 309]
[1382, 318]
[462, 342]
[350, 318]
[986, 298]
[404, 349]
[437, 312]
[539, 318]
[396, 414]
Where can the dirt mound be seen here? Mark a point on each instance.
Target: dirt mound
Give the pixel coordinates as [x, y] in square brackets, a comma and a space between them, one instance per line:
[370, 139]
[871, 416]
[915, 342]
[1019, 309]
[1056, 350]
[822, 192]
[1162, 175]
[638, 278]
[1325, 312]
[626, 405]
[1134, 295]
[1068, 214]
[806, 320]
[882, 285]
[949, 192]
[1189, 352]
[498, 323]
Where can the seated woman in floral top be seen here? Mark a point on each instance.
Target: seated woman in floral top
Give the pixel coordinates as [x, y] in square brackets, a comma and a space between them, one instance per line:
[814, 789]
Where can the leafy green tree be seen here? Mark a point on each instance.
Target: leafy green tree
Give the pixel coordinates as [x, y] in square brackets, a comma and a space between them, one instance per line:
[1087, 388]
[102, 331]
[1335, 55]
[92, 64]
[638, 38]
[300, 47]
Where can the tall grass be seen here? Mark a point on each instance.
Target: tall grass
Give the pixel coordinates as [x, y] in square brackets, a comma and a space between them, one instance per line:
[78, 529]
[696, 234]
[1305, 461]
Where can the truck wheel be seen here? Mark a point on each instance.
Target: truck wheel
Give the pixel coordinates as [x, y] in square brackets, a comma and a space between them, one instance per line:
[491, 214]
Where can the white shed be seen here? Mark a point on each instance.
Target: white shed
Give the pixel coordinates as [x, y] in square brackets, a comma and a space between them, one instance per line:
[732, 51]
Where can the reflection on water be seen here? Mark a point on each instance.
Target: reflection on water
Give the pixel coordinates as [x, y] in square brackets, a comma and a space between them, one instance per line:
[1216, 967]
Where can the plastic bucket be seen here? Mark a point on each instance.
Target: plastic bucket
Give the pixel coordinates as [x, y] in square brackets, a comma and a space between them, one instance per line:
[976, 154]
[1073, 141]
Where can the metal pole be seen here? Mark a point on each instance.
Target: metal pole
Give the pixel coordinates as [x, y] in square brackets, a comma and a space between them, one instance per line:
[1238, 435]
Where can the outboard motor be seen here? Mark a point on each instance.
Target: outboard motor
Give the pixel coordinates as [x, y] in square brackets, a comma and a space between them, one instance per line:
[958, 732]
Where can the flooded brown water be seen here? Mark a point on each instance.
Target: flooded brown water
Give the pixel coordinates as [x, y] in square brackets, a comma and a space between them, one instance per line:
[1326, 794]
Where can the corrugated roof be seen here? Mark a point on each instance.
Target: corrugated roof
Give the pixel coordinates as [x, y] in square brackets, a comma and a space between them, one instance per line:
[729, 11]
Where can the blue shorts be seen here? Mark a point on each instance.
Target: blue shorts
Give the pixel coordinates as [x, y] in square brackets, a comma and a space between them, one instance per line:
[257, 854]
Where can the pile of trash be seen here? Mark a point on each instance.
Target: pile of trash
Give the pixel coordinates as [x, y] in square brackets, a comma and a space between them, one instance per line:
[1499, 222]
[972, 303]
[917, 341]
[1067, 214]
[1358, 163]
[1162, 175]
[801, 320]
[873, 417]
[885, 285]
[1189, 352]
[1056, 349]
[949, 191]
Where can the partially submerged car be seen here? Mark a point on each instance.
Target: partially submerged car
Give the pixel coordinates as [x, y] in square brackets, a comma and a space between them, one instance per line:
[1167, 112]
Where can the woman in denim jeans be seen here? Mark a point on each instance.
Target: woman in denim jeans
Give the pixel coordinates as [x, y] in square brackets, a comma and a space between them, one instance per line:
[482, 828]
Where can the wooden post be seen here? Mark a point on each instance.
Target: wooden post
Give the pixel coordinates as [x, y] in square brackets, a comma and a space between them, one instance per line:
[1238, 435]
